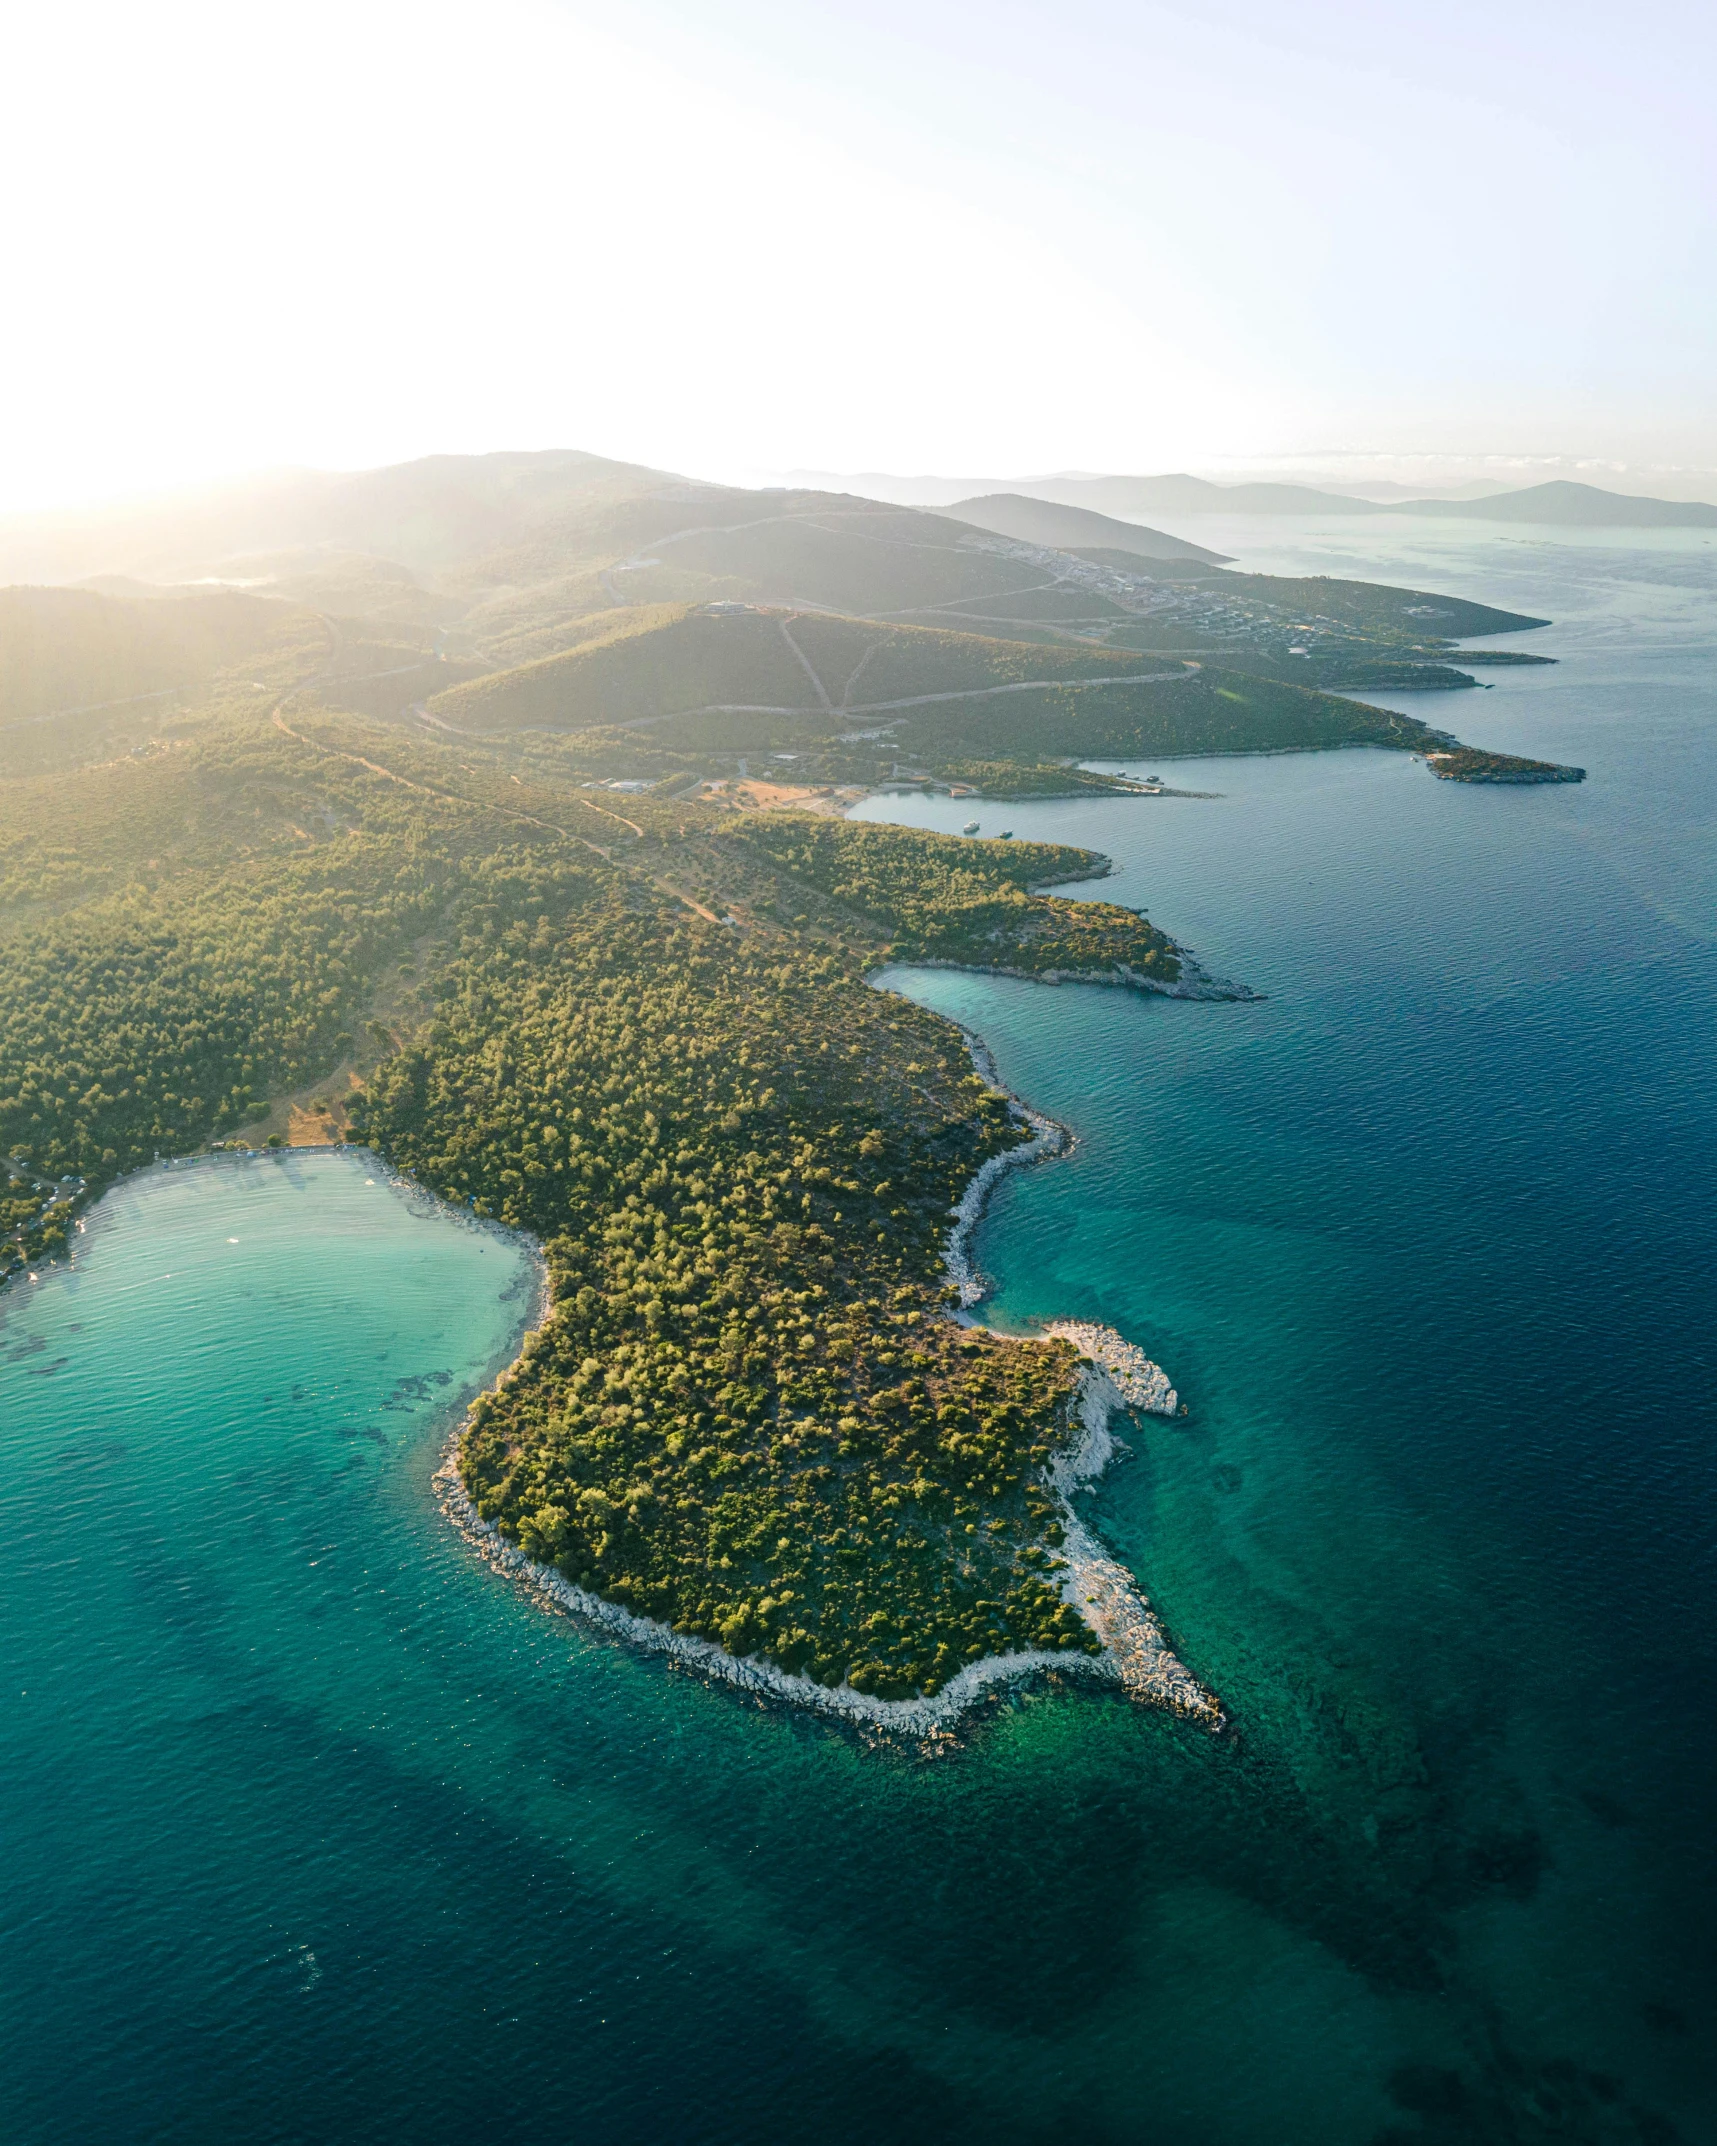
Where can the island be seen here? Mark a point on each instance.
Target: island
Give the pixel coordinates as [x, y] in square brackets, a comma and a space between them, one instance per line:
[1464, 763]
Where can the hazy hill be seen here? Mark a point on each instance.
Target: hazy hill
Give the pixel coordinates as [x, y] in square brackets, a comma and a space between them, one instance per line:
[422, 514]
[815, 550]
[1101, 493]
[500, 559]
[64, 650]
[564, 593]
[1173, 495]
[1574, 506]
[1124, 496]
[1041, 521]
[1559, 501]
[849, 555]
[667, 540]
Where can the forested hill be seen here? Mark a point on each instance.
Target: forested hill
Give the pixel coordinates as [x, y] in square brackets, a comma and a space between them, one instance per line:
[672, 691]
[645, 1037]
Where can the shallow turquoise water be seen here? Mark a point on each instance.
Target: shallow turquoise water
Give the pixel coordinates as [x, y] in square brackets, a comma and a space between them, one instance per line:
[313, 1829]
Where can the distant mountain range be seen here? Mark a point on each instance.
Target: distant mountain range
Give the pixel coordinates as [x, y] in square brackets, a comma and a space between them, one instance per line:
[1561, 503]
[523, 519]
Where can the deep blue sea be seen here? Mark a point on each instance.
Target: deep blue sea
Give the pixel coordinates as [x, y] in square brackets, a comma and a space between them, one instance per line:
[312, 1829]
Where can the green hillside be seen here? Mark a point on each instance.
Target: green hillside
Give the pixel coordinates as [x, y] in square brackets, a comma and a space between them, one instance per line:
[661, 661]
[1199, 711]
[674, 688]
[944, 899]
[657, 660]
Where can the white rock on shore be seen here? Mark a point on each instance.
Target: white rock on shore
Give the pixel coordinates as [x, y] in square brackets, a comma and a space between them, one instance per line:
[1140, 1383]
[1136, 1651]
[1047, 1139]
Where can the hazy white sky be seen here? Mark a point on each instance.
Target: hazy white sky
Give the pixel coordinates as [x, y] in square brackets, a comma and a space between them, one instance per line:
[731, 235]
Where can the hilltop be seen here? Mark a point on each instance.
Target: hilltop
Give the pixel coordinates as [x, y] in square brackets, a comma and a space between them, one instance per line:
[1061, 528]
[423, 514]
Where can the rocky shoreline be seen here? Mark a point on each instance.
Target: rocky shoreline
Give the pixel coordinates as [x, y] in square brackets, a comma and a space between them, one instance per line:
[1135, 1646]
[1135, 1655]
[1194, 981]
[1047, 1138]
[1140, 1383]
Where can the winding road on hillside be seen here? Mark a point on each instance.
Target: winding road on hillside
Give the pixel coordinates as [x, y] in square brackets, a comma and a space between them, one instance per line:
[911, 700]
[473, 804]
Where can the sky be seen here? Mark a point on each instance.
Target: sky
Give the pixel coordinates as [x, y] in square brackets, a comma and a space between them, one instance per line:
[741, 236]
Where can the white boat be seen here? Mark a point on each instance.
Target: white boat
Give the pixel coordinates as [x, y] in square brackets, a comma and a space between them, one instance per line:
[970, 828]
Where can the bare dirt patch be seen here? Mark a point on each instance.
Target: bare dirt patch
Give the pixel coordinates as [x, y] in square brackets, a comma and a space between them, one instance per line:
[755, 796]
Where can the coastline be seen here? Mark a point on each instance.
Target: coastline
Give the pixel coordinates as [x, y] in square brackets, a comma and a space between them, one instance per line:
[1136, 1654]
[1194, 981]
